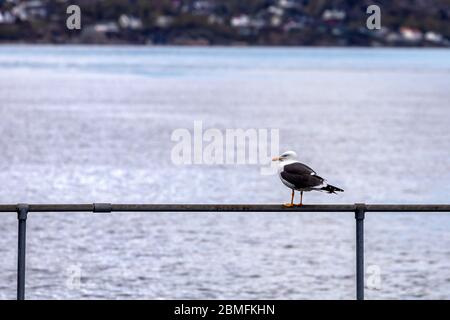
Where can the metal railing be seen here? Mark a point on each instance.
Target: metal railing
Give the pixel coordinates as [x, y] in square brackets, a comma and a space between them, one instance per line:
[359, 209]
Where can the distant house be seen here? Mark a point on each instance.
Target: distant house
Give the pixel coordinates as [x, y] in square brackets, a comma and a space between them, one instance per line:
[196, 7]
[130, 22]
[276, 11]
[100, 32]
[275, 16]
[293, 25]
[434, 37]
[215, 19]
[202, 7]
[257, 23]
[164, 21]
[288, 4]
[410, 34]
[241, 21]
[106, 27]
[393, 37]
[275, 21]
[333, 15]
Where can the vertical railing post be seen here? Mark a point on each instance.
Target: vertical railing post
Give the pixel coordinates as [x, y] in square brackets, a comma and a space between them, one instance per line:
[359, 216]
[22, 212]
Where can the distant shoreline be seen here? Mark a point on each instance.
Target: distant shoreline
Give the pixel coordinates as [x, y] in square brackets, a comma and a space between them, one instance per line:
[125, 44]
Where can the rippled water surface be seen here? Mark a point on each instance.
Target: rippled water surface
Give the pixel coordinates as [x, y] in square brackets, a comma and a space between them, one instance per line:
[94, 124]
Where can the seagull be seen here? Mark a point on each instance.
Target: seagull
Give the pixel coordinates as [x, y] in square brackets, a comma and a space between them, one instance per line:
[300, 177]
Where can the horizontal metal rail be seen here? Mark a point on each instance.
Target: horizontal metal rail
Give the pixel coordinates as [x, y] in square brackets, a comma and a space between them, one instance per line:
[358, 208]
[107, 207]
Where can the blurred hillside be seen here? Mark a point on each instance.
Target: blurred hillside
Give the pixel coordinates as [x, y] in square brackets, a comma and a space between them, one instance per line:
[228, 22]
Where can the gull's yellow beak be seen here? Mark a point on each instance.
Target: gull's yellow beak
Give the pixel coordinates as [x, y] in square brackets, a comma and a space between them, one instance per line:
[276, 159]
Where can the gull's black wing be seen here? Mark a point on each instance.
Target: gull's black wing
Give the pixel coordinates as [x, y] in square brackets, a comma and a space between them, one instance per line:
[301, 176]
[298, 168]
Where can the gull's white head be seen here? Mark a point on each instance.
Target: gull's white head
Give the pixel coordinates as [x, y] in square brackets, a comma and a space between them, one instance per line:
[286, 156]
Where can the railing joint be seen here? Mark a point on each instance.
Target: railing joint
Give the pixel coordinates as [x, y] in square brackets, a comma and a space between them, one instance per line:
[360, 210]
[102, 208]
[22, 211]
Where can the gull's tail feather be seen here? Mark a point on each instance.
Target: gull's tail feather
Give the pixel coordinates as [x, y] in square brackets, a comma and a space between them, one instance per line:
[331, 189]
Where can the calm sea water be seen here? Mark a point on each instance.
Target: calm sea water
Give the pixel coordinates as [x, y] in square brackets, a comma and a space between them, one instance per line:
[94, 124]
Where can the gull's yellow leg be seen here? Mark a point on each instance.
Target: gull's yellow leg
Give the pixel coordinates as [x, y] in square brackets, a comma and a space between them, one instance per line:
[301, 199]
[289, 205]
